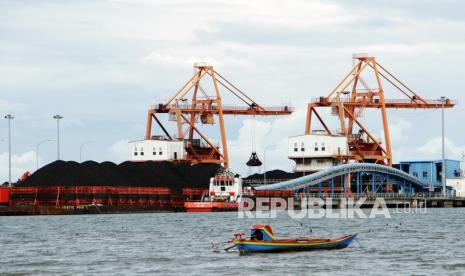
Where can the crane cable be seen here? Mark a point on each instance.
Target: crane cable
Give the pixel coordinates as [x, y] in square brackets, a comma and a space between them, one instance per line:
[253, 134]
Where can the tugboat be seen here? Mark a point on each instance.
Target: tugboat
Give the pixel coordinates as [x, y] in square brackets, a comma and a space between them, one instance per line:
[262, 240]
[224, 194]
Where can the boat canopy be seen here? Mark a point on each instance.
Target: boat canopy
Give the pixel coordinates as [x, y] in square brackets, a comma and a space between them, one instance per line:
[261, 232]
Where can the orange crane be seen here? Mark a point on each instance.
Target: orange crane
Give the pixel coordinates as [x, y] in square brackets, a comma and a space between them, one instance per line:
[349, 99]
[192, 102]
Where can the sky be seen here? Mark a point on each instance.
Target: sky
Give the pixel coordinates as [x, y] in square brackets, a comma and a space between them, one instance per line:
[102, 64]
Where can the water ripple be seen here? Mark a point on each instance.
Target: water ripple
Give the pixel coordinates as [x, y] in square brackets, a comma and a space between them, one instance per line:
[180, 243]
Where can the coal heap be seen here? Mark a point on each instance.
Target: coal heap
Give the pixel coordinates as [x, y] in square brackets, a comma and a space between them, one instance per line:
[274, 174]
[135, 174]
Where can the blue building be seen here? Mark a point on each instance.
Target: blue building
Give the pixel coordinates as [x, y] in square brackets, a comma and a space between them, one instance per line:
[429, 172]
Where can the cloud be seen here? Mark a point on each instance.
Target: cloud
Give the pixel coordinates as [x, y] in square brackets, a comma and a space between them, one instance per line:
[270, 135]
[415, 10]
[8, 106]
[102, 64]
[118, 152]
[292, 13]
[433, 148]
[398, 131]
[167, 59]
[19, 164]
[185, 62]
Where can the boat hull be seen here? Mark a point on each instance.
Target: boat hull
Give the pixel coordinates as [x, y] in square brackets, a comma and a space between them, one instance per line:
[248, 246]
[210, 206]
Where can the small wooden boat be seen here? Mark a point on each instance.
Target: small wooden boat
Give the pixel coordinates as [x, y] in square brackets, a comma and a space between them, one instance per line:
[262, 240]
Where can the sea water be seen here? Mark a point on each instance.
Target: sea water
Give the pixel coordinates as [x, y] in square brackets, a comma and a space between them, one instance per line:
[181, 243]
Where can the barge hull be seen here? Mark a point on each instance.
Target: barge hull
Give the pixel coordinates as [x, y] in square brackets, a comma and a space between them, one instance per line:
[66, 200]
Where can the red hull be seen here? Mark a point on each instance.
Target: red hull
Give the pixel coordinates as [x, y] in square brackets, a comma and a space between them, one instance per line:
[209, 206]
[48, 200]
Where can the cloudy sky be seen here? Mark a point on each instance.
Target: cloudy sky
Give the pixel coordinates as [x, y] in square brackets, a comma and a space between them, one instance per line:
[101, 64]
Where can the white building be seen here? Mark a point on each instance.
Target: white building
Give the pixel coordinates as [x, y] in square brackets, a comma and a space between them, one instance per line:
[458, 184]
[314, 152]
[158, 149]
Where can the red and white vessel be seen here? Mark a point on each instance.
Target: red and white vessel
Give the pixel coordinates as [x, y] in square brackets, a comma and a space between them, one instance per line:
[224, 194]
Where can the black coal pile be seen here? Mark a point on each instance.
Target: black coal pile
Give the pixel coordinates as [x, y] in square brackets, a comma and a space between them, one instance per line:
[132, 174]
[274, 174]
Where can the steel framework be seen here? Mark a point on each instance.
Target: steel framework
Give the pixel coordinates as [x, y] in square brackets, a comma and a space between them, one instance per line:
[349, 99]
[205, 106]
[364, 177]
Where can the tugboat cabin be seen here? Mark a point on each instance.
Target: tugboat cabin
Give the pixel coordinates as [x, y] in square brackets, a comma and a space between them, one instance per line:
[225, 187]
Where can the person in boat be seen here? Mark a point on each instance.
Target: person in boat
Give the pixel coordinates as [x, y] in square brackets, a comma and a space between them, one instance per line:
[257, 235]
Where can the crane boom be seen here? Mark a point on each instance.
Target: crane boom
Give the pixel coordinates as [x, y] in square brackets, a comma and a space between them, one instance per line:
[388, 103]
[227, 110]
[348, 101]
[192, 102]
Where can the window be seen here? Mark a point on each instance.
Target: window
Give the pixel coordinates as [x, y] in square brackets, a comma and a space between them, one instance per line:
[160, 151]
[415, 174]
[425, 174]
[316, 146]
[302, 147]
[135, 153]
[154, 151]
[295, 147]
[323, 148]
[142, 153]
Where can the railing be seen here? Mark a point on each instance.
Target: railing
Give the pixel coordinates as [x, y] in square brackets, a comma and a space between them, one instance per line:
[267, 193]
[376, 195]
[258, 182]
[376, 101]
[355, 196]
[78, 195]
[283, 108]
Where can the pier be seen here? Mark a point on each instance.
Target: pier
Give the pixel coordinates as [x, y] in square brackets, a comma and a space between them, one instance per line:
[341, 200]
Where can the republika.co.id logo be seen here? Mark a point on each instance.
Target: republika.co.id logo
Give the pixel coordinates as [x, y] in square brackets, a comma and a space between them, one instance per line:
[314, 207]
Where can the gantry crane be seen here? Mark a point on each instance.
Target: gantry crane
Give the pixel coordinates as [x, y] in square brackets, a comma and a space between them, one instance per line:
[349, 99]
[205, 106]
